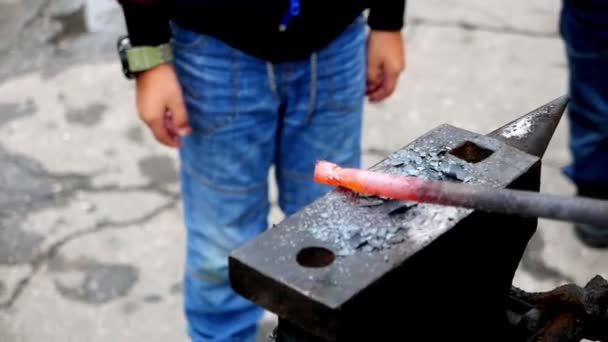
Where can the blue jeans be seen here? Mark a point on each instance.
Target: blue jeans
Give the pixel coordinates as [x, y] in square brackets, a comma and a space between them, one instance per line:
[584, 27]
[248, 115]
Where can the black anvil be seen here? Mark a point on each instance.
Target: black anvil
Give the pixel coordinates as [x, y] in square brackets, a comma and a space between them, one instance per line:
[356, 268]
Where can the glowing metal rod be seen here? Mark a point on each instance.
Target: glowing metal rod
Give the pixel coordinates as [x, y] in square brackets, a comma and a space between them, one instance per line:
[505, 201]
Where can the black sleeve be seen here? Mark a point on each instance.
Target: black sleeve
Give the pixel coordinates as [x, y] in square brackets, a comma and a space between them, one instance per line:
[147, 21]
[387, 15]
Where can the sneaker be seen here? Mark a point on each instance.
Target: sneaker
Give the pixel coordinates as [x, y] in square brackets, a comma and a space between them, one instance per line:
[594, 237]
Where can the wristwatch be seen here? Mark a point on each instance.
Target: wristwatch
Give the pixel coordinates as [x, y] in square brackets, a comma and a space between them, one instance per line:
[140, 58]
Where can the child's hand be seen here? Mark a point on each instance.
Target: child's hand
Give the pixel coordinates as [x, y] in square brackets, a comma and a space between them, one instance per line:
[385, 62]
[160, 104]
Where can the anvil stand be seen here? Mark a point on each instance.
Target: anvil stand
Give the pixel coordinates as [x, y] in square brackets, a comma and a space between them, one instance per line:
[335, 270]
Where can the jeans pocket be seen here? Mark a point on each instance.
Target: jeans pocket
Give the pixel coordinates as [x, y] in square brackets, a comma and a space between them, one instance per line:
[212, 108]
[342, 71]
[346, 88]
[184, 38]
[209, 77]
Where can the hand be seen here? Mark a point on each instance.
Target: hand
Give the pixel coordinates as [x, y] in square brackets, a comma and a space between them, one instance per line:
[385, 62]
[160, 104]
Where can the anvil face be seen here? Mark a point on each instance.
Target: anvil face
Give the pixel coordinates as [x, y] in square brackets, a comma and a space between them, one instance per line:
[334, 268]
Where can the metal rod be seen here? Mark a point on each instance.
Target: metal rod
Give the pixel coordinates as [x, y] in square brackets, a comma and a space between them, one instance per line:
[505, 201]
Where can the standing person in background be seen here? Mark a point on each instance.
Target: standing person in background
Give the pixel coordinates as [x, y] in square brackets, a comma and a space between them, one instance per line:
[584, 27]
[243, 85]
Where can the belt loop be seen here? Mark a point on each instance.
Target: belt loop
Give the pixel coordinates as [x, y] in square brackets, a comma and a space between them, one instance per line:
[313, 87]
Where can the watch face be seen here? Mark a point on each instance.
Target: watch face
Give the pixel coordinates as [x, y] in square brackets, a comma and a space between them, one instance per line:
[122, 46]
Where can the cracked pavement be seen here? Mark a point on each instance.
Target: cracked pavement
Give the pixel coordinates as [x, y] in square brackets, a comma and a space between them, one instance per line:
[91, 239]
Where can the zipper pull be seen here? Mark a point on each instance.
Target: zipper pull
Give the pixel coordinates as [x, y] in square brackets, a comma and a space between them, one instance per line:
[293, 11]
[295, 8]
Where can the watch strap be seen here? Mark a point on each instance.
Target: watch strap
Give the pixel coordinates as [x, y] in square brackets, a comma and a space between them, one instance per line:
[142, 58]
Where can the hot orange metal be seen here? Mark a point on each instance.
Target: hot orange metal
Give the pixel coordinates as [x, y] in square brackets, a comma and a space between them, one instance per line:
[369, 182]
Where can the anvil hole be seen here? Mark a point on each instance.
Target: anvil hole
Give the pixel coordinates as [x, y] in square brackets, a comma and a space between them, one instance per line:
[471, 152]
[315, 257]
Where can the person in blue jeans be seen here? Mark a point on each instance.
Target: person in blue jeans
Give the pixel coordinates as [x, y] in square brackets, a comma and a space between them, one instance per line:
[584, 28]
[242, 87]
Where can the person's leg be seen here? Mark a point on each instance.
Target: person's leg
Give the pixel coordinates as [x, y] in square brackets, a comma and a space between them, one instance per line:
[322, 117]
[224, 170]
[584, 27]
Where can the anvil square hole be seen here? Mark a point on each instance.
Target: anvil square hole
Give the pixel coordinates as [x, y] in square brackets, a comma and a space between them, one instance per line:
[471, 152]
[313, 257]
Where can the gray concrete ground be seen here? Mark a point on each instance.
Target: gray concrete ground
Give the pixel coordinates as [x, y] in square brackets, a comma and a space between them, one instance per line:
[91, 240]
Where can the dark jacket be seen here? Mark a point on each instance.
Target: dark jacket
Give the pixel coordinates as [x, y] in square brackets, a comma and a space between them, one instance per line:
[254, 26]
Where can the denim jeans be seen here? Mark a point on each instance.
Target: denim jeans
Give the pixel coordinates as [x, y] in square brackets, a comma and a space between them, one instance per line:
[584, 27]
[249, 115]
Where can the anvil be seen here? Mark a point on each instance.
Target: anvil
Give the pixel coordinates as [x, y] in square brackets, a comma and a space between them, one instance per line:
[336, 269]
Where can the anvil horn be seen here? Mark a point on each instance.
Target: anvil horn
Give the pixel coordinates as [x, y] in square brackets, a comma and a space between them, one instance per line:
[532, 132]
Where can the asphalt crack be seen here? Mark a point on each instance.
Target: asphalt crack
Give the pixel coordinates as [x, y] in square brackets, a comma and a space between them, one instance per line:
[534, 263]
[100, 226]
[469, 26]
[67, 184]
[29, 187]
[37, 14]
